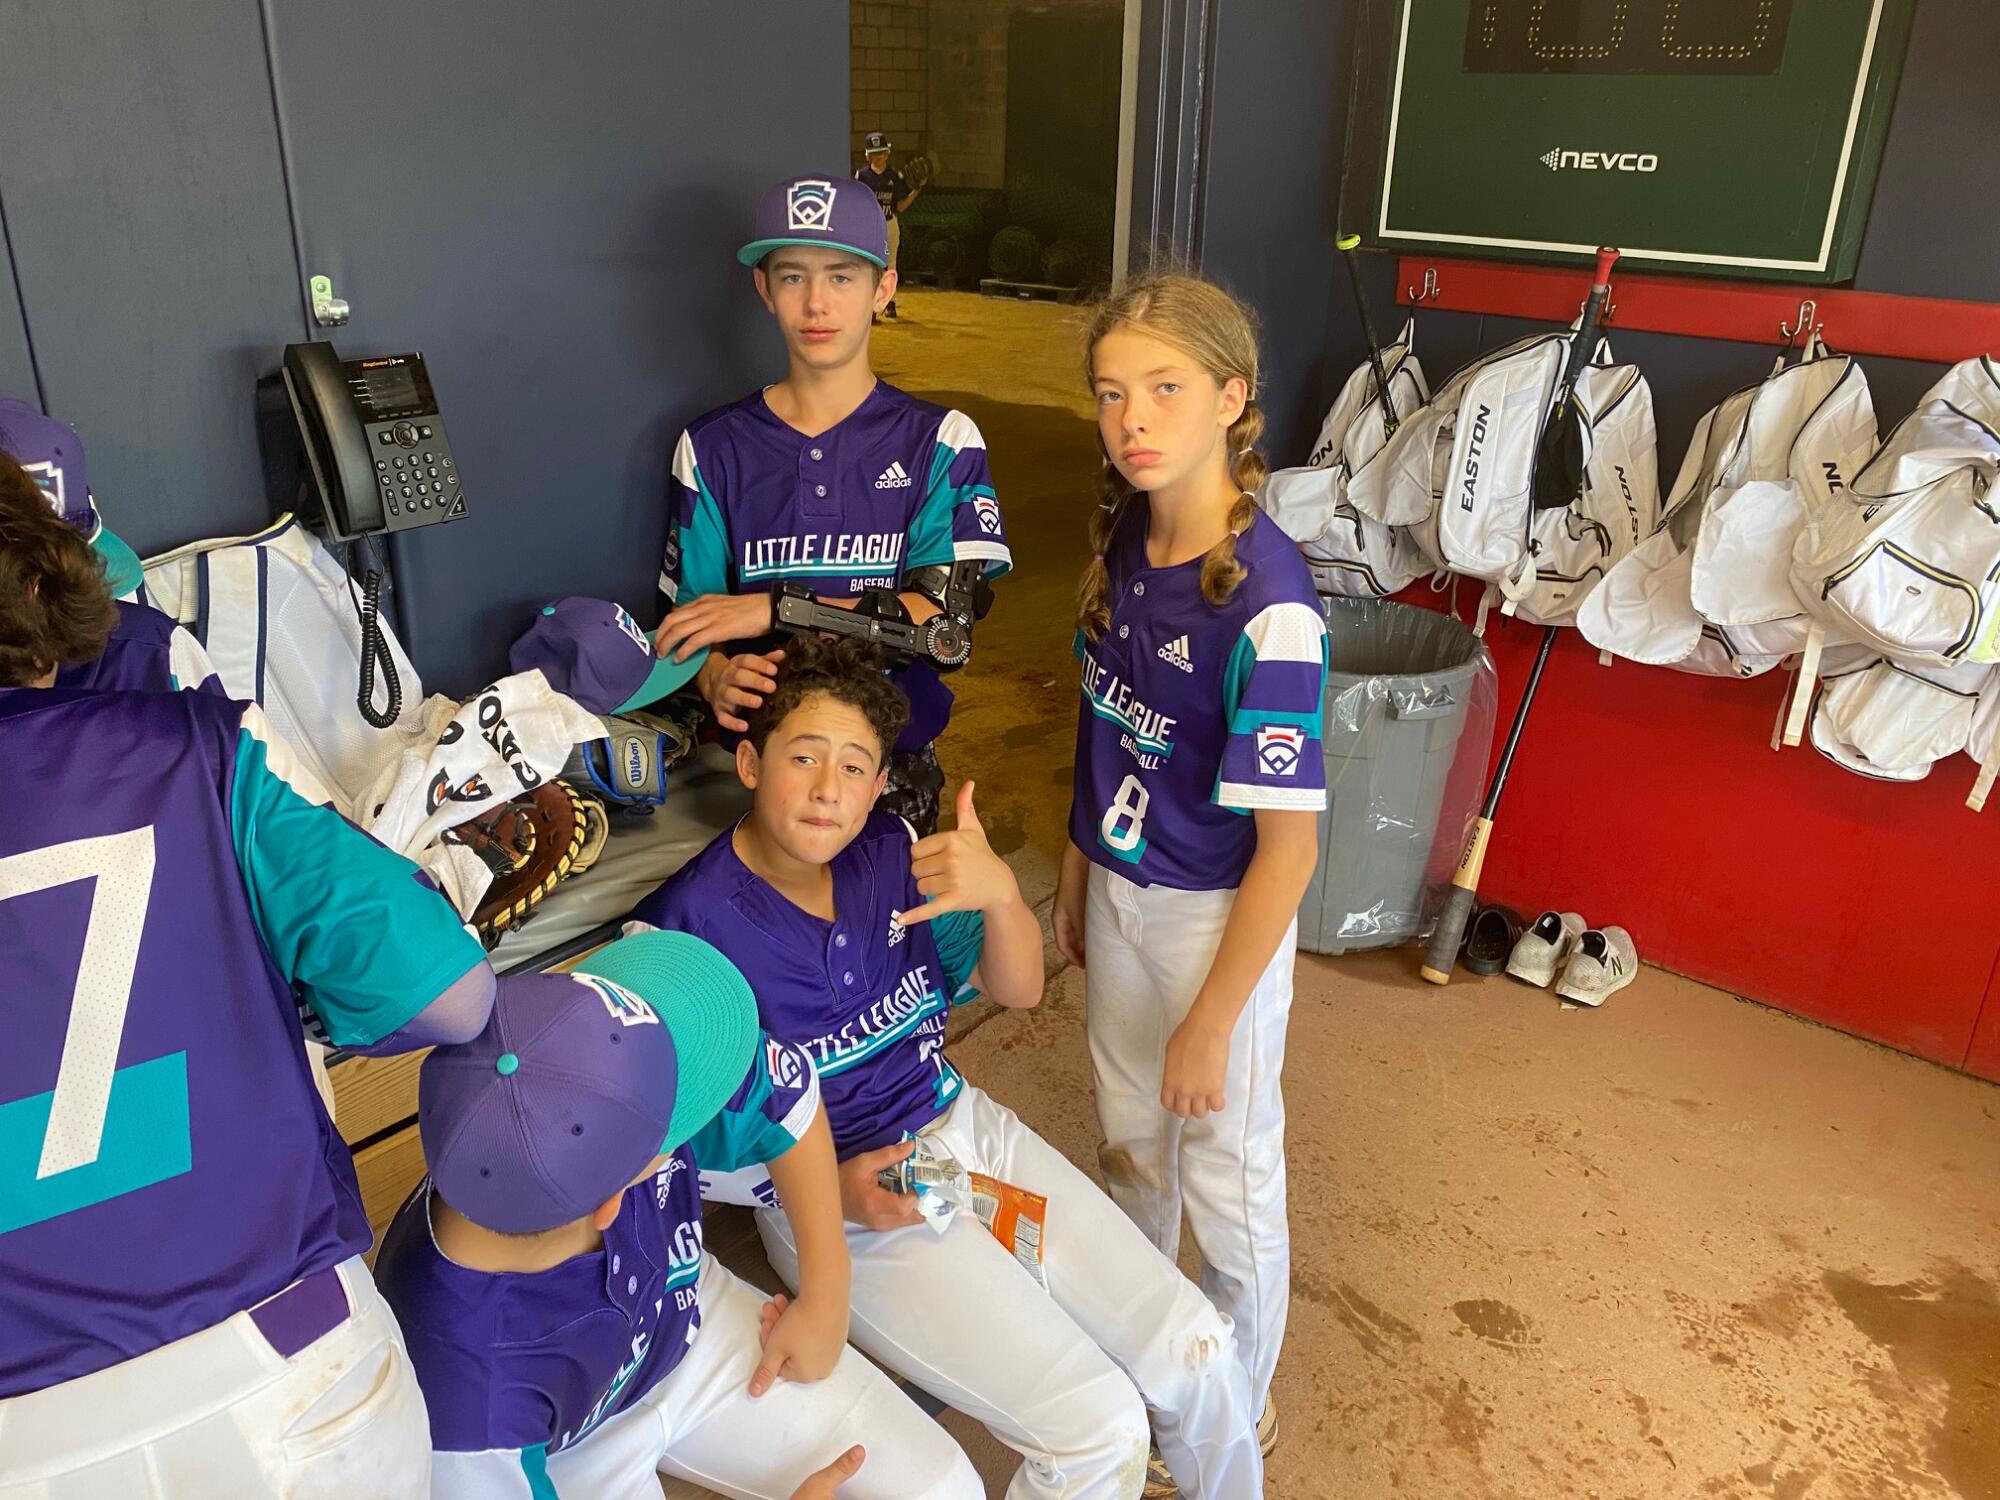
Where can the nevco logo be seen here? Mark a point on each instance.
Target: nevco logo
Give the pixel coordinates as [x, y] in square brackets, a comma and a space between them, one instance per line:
[1470, 477]
[1600, 161]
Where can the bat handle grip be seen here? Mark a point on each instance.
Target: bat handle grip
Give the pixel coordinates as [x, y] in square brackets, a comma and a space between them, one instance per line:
[1442, 950]
[1606, 258]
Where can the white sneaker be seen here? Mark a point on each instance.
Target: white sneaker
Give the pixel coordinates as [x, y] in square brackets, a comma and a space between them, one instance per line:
[1540, 951]
[1603, 963]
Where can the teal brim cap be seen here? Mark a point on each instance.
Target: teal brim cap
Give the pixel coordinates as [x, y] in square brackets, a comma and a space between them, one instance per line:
[122, 570]
[666, 675]
[709, 1011]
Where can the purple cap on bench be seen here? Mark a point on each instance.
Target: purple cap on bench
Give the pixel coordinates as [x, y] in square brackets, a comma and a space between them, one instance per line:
[597, 654]
[579, 1080]
[834, 213]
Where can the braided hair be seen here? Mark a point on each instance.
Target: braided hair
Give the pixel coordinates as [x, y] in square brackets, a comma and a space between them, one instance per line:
[1220, 334]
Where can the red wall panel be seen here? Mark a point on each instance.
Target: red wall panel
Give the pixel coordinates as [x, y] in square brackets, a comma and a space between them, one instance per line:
[1651, 799]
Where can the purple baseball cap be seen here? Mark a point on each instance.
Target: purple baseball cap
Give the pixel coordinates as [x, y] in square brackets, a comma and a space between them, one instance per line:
[835, 213]
[52, 454]
[596, 653]
[581, 1079]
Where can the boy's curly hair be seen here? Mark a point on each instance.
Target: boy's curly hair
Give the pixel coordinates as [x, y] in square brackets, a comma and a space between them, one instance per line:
[841, 668]
[55, 610]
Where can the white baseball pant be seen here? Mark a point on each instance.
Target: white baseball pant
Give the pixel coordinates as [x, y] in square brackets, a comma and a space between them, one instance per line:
[1063, 1377]
[1147, 951]
[700, 1424]
[895, 227]
[223, 1413]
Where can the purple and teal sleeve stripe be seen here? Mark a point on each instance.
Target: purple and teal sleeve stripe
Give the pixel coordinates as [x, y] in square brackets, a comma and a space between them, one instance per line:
[344, 918]
[960, 515]
[767, 1116]
[697, 562]
[1272, 694]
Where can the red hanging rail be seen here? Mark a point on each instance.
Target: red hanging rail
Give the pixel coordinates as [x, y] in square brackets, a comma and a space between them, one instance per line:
[1926, 328]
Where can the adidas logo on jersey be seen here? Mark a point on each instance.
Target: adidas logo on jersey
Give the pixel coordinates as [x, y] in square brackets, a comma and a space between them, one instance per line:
[895, 477]
[1175, 654]
[897, 931]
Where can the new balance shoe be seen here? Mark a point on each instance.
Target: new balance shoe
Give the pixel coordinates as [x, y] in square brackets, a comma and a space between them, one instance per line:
[1603, 963]
[1541, 950]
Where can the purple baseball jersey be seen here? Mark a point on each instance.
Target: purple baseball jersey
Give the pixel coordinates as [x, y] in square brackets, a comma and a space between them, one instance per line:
[1192, 716]
[899, 484]
[147, 653]
[517, 1366]
[865, 997]
[168, 878]
[889, 188]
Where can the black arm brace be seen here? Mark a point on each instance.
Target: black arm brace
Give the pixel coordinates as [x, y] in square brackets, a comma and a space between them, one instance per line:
[961, 593]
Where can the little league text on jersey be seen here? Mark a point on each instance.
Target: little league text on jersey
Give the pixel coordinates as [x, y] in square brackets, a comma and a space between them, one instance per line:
[1148, 733]
[913, 998]
[822, 552]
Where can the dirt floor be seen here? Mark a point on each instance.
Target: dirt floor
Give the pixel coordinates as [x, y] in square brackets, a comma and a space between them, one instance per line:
[1682, 1246]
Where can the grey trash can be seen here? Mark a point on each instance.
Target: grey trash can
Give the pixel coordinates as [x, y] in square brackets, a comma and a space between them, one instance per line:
[1402, 685]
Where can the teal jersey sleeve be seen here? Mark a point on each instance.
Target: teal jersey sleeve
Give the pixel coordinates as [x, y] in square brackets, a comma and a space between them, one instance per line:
[960, 514]
[768, 1114]
[353, 924]
[960, 937]
[697, 560]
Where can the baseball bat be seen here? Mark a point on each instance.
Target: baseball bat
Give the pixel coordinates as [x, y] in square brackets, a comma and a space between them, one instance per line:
[1559, 461]
[1348, 245]
[1442, 951]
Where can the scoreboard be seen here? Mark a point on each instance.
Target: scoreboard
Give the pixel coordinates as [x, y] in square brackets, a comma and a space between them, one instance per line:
[1739, 137]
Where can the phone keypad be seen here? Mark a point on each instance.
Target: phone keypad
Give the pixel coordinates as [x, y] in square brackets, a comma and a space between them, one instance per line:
[417, 477]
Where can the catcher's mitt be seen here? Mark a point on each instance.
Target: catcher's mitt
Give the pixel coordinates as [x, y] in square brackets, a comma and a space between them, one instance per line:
[554, 822]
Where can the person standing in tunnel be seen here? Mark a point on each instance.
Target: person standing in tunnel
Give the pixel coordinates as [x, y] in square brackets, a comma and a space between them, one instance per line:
[892, 190]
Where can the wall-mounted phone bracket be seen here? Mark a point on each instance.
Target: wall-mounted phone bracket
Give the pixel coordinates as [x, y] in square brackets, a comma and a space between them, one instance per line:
[328, 310]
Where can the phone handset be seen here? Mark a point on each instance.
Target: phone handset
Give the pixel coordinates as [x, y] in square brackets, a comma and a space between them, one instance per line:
[376, 461]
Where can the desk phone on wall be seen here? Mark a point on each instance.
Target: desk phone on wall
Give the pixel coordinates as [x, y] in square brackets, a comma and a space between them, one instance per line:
[376, 457]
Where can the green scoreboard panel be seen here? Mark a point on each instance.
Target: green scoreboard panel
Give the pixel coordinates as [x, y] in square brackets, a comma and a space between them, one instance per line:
[1740, 137]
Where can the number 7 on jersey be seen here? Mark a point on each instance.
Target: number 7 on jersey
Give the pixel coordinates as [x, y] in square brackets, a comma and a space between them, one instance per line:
[55, 1157]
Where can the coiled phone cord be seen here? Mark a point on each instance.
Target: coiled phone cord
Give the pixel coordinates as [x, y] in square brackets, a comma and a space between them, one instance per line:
[374, 650]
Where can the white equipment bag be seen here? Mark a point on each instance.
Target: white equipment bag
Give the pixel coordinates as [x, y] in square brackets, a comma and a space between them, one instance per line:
[1709, 591]
[1350, 554]
[1574, 547]
[1891, 721]
[1909, 560]
[1460, 474]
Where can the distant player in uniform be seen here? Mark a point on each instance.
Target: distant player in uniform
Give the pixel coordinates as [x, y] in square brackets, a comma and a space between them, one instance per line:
[830, 478]
[183, 1307]
[892, 190]
[52, 453]
[856, 942]
[572, 1336]
[1199, 781]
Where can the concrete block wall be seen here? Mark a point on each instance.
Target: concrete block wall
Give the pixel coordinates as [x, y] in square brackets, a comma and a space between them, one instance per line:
[889, 63]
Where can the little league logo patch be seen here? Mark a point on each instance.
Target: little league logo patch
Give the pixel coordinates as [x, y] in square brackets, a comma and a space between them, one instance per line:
[988, 512]
[784, 1066]
[1279, 747]
[809, 204]
[624, 1007]
[50, 480]
[631, 628]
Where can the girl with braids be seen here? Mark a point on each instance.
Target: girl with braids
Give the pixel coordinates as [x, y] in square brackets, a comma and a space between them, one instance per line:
[1199, 780]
